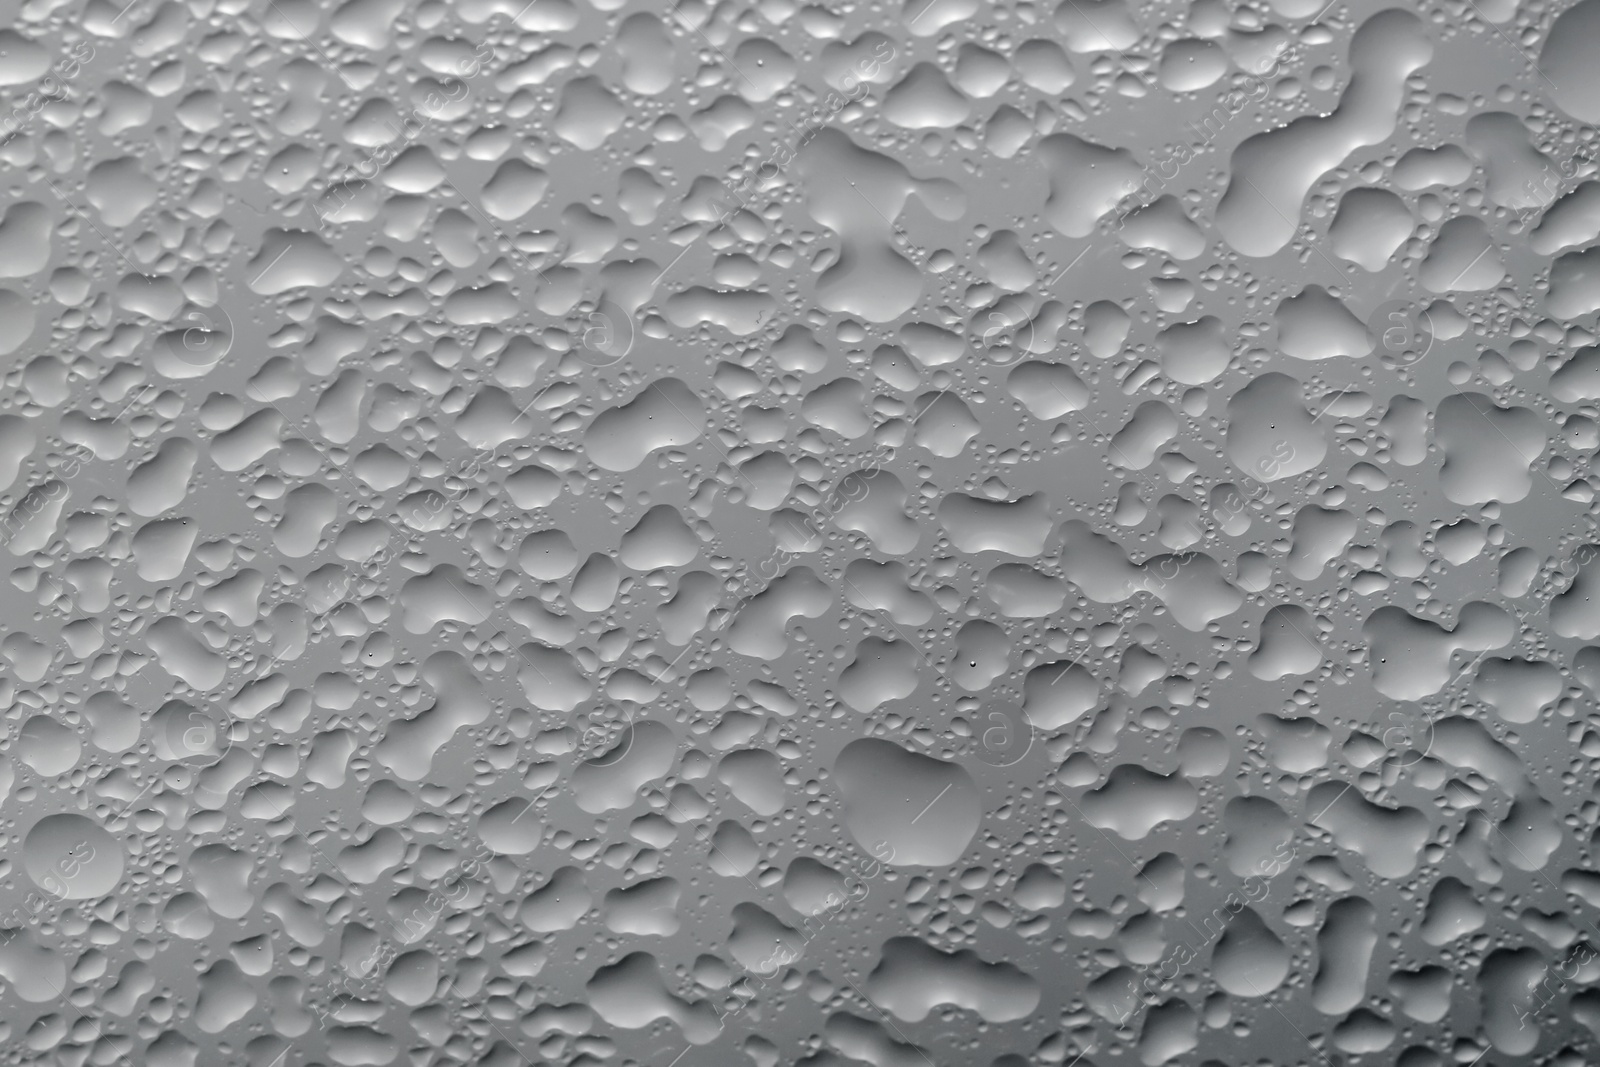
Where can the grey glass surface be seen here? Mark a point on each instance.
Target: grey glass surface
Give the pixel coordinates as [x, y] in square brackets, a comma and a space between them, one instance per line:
[586, 532]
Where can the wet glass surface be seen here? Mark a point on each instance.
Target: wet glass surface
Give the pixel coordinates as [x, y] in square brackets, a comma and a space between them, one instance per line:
[585, 532]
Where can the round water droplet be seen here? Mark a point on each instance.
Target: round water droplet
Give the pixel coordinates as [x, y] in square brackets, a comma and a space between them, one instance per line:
[71, 857]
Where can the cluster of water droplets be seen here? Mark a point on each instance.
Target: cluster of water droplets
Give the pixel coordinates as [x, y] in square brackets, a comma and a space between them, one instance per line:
[580, 532]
